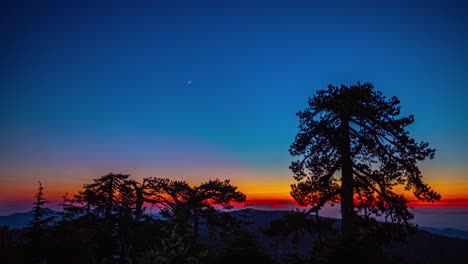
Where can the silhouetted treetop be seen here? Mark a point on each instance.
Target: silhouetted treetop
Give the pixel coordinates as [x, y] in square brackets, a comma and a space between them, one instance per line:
[358, 131]
[185, 203]
[40, 216]
[119, 203]
[106, 194]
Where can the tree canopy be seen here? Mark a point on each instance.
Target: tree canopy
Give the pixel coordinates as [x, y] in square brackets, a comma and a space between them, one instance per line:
[358, 131]
[183, 202]
[41, 217]
[120, 202]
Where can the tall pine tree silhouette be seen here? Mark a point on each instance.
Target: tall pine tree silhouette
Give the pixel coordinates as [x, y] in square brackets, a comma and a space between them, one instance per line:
[358, 131]
[41, 217]
[37, 227]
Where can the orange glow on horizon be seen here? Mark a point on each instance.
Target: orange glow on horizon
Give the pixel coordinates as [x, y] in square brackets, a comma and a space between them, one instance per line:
[273, 195]
[261, 188]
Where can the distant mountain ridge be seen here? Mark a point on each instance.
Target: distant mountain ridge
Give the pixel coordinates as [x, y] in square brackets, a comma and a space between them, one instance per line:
[261, 218]
[448, 232]
[20, 220]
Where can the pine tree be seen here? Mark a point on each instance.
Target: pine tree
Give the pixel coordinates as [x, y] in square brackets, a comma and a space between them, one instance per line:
[187, 206]
[38, 227]
[358, 131]
[70, 211]
[41, 217]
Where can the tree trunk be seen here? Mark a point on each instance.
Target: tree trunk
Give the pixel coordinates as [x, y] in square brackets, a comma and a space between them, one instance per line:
[124, 235]
[139, 204]
[347, 203]
[196, 223]
[110, 199]
[88, 209]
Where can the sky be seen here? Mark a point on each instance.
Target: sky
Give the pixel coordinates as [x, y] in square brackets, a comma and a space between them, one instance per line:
[197, 90]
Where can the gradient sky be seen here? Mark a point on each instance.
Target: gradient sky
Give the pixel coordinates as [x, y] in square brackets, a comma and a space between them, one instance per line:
[89, 88]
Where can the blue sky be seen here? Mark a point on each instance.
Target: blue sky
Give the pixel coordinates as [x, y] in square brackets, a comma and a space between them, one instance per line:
[106, 83]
